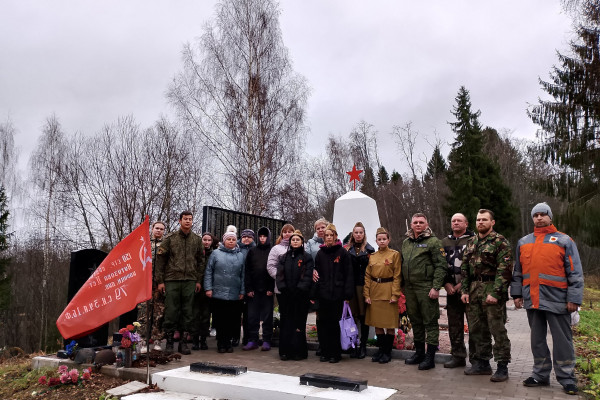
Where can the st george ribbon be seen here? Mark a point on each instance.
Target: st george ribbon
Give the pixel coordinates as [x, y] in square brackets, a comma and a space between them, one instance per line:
[123, 280]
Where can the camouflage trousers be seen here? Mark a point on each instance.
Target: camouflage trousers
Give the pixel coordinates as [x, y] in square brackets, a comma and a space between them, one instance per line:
[456, 310]
[179, 304]
[487, 321]
[423, 314]
[158, 316]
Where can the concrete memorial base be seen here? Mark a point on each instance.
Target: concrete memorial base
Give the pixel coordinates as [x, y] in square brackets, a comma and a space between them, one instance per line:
[253, 385]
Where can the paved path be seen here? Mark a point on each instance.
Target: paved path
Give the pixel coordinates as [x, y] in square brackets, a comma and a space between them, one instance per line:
[438, 383]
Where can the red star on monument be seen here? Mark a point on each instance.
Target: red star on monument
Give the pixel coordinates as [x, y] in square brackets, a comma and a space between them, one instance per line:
[354, 175]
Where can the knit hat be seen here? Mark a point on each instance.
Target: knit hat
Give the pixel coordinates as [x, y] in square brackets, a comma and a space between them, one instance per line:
[248, 233]
[331, 227]
[541, 208]
[228, 235]
[231, 228]
[297, 233]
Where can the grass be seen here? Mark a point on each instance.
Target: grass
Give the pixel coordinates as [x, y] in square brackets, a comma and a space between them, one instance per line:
[587, 339]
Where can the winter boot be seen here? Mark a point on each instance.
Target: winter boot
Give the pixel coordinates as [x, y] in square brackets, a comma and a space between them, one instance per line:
[419, 355]
[481, 367]
[455, 362]
[170, 342]
[195, 342]
[183, 347]
[386, 357]
[364, 337]
[203, 345]
[429, 361]
[501, 373]
[380, 344]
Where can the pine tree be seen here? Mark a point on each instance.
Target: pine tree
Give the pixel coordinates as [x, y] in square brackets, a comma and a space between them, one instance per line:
[436, 167]
[473, 178]
[4, 245]
[570, 127]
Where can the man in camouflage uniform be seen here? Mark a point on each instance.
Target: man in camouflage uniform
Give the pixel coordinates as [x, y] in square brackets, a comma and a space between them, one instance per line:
[486, 274]
[454, 246]
[158, 299]
[423, 272]
[179, 273]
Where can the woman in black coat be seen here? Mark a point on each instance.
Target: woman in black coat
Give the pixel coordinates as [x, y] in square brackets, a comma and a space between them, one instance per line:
[294, 281]
[334, 286]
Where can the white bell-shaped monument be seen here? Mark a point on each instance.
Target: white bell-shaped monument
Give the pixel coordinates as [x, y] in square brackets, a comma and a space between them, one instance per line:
[353, 207]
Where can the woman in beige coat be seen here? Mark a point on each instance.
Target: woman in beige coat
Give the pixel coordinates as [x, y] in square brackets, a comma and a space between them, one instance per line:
[381, 291]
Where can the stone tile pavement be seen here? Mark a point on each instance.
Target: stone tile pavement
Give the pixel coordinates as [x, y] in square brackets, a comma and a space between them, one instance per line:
[410, 383]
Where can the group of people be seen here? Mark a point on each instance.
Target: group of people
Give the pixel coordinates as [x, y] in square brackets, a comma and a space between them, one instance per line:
[238, 280]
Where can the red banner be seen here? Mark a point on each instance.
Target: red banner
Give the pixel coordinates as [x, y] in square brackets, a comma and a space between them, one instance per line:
[123, 280]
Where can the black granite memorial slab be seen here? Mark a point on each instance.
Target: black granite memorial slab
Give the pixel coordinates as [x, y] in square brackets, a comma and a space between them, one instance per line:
[214, 368]
[335, 382]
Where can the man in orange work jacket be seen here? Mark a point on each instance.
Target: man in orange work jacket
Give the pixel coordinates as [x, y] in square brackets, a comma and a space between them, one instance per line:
[548, 281]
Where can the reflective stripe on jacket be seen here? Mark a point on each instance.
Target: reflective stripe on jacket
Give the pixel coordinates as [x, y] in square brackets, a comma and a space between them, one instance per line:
[548, 271]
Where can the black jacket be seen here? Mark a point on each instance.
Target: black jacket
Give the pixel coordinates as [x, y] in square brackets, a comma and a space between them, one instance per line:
[360, 262]
[295, 271]
[336, 280]
[257, 279]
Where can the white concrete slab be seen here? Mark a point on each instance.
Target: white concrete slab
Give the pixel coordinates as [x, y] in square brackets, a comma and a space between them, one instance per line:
[165, 396]
[256, 385]
[127, 389]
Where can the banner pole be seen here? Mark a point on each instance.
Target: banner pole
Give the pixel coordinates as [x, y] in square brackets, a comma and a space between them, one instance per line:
[150, 318]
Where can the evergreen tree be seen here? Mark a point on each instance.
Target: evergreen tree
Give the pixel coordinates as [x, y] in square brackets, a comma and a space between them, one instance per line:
[396, 177]
[383, 177]
[436, 167]
[570, 126]
[368, 183]
[4, 245]
[473, 178]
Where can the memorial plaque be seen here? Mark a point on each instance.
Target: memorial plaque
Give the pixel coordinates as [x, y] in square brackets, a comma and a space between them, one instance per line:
[215, 221]
[335, 382]
[214, 368]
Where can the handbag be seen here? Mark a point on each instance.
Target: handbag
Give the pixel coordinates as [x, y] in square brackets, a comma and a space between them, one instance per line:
[348, 330]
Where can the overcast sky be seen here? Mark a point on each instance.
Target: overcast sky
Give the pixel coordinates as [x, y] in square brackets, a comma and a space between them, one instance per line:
[387, 62]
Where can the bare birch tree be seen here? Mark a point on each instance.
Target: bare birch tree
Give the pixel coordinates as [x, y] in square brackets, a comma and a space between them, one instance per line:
[46, 164]
[241, 97]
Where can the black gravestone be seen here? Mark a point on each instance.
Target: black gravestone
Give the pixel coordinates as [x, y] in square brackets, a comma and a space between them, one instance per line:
[83, 264]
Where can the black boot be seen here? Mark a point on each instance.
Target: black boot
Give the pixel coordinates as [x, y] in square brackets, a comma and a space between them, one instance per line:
[195, 342]
[364, 337]
[380, 344]
[455, 362]
[419, 355]
[481, 367]
[429, 361]
[501, 373]
[203, 345]
[386, 357]
[183, 347]
[170, 342]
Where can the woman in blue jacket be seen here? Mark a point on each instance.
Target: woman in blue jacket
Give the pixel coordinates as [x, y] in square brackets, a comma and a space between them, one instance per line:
[224, 284]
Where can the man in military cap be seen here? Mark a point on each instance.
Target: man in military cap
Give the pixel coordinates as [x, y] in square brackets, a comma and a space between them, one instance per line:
[179, 273]
[423, 273]
[486, 273]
